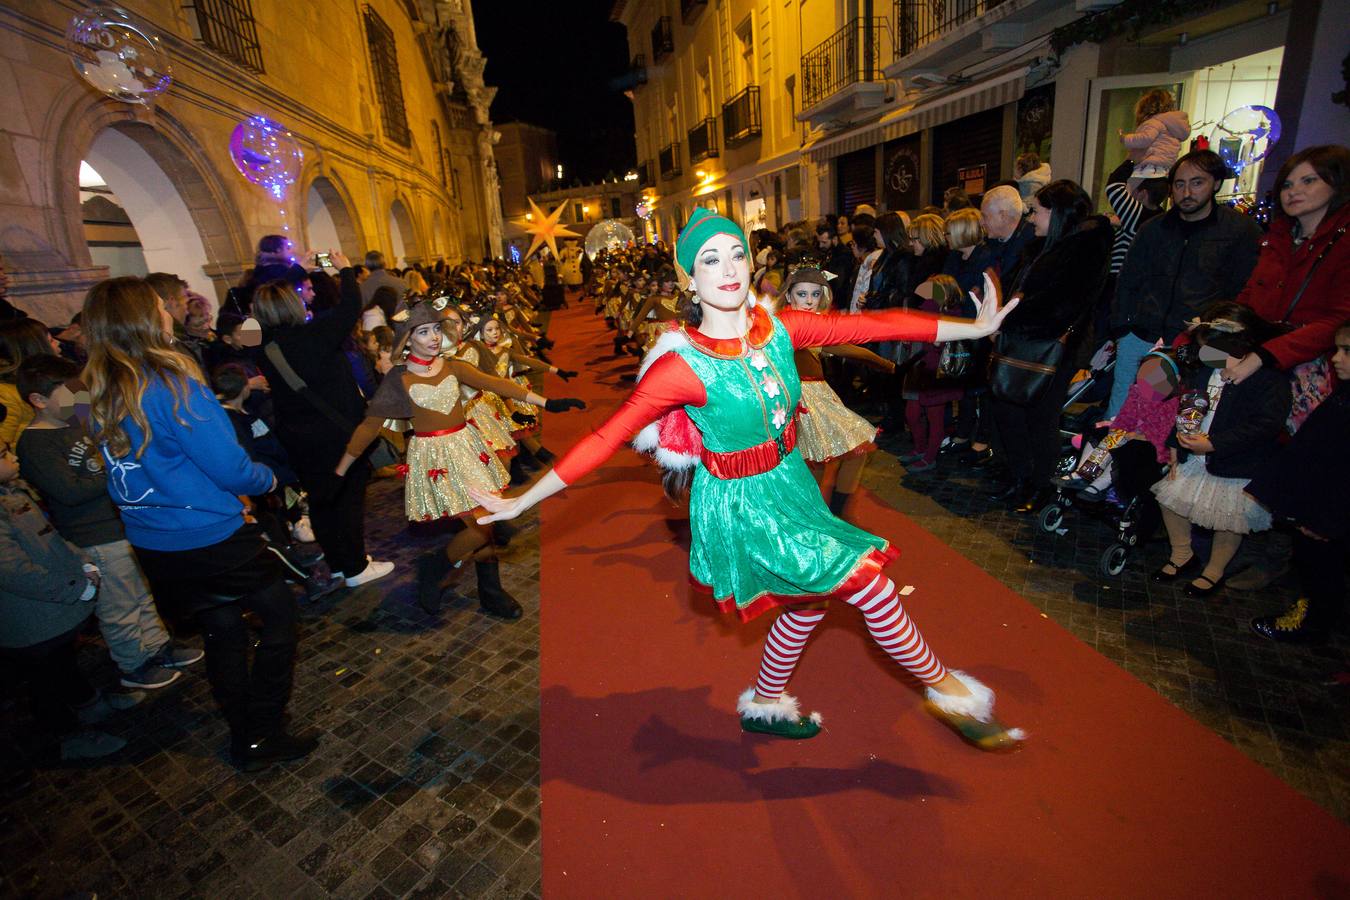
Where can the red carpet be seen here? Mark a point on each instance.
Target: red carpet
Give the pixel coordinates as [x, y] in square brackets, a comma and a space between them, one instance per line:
[650, 789]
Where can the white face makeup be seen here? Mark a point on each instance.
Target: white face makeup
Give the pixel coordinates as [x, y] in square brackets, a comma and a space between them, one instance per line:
[492, 332]
[806, 297]
[425, 340]
[452, 331]
[722, 272]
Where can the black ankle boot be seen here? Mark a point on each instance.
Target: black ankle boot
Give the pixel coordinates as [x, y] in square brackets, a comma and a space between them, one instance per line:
[839, 500]
[492, 597]
[545, 456]
[518, 474]
[431, 568]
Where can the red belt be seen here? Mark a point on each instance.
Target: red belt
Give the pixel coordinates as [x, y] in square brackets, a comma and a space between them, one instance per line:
[805, 379]
[441, 433]
[754, 460]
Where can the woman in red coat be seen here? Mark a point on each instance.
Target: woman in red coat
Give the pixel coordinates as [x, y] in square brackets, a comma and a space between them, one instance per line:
[1300, 274]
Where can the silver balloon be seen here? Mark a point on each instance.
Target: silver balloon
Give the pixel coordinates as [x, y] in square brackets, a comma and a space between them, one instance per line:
[608, 235]
[118, 54]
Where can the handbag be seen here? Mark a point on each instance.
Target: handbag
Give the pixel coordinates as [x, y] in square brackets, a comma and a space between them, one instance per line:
[382, 454]
[1313, 381]
[1021, 369]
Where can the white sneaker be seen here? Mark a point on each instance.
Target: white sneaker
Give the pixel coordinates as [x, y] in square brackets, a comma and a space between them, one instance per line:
[373, 570]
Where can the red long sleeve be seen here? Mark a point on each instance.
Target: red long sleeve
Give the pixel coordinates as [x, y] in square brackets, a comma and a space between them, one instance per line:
[812, 330]
[668, 384]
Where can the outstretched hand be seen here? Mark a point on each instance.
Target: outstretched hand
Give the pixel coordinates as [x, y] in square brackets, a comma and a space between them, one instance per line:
[499, 508]
[563, 404]
[989, 313]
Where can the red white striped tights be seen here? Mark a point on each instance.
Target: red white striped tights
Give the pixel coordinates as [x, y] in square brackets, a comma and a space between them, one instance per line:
[887, 621]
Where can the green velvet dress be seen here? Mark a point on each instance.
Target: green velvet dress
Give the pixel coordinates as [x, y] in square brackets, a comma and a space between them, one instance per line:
[766, 539]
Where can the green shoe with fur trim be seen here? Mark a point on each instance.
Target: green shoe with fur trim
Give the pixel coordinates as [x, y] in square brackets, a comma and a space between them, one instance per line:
[780, 719]
[972, 717]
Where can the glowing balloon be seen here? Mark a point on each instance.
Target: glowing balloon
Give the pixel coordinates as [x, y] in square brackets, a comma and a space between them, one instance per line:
[608, 235]
[118, 54]
[266, 154]
[1245, 135]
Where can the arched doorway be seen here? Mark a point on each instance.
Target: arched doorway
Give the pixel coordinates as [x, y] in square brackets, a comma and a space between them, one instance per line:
[129, 198]
[402, 235]
[329, 223]
[167, 193]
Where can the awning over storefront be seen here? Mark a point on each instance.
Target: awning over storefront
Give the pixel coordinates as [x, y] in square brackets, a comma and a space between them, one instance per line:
[988, 94]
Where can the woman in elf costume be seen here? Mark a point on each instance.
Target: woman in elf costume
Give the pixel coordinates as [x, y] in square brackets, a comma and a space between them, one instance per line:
[827, 430]
[762, 535]
[445, 459]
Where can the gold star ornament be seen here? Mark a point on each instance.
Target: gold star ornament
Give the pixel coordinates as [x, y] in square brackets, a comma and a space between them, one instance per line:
[546, 229]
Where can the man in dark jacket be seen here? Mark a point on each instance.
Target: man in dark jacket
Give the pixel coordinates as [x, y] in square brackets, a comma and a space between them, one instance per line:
[1009, 233]
[1180, 262]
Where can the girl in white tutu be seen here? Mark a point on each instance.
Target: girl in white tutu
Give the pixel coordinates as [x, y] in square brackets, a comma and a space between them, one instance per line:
[828, 432]
[1226, 429]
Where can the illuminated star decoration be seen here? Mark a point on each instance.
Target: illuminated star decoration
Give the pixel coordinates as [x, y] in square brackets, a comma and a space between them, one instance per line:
[546, 229]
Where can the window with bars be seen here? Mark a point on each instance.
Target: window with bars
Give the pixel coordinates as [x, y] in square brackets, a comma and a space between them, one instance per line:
[384, 62]
[228, 28]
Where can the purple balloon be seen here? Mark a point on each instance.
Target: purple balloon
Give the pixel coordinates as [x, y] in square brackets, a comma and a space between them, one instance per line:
[266, 154]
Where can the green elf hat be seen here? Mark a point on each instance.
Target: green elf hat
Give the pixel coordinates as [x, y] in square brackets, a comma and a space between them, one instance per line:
[702, 224]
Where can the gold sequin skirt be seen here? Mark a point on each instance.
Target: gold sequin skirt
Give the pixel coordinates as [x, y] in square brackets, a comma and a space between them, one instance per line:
[493, 425]
[827, 429]
[442, 468]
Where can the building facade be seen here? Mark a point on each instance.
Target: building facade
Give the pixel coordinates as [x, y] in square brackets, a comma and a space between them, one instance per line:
[386, 99]
[776, 112]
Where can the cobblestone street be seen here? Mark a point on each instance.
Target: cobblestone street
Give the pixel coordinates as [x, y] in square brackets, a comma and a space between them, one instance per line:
[425, 783]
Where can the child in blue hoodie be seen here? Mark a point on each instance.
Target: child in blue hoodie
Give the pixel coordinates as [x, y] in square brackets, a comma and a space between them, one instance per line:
[176, 473]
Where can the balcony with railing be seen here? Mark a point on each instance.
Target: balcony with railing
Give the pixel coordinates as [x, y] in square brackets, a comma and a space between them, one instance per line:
[669, 160]
[663, 39]
[703, 140]
[845, 72]
[637, 69]
[646, 173]
[740, 118]
[942, 35]
[689, 10]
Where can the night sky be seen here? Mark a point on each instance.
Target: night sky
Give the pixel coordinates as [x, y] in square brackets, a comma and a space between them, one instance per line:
[552, 65]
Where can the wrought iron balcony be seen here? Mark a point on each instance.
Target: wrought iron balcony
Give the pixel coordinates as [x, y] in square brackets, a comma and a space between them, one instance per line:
[703, 140]
[646, 173]
[663, 39]
[637, 69]
[921, 22]
[669, 160]
[854, 54]
[740, 117]
[689, 9]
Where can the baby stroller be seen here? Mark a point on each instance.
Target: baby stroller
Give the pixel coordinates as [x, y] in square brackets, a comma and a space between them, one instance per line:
[1110, 470]
[1119, 493]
